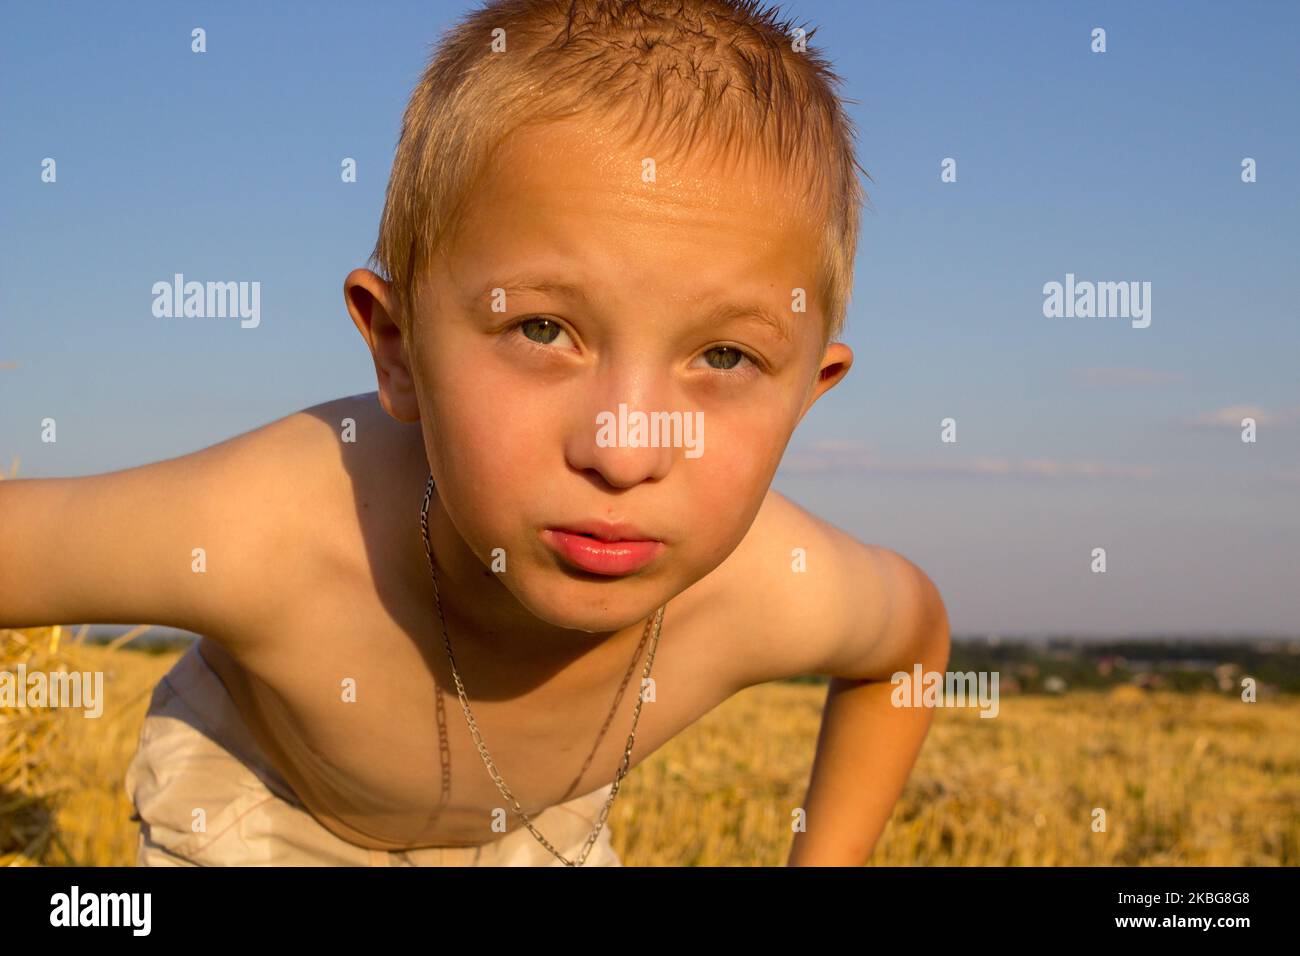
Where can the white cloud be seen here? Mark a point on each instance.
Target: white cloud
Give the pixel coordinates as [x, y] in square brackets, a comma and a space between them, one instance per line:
[1231, 416]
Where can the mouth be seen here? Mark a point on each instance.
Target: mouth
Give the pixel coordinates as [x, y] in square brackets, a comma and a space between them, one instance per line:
[611, 550]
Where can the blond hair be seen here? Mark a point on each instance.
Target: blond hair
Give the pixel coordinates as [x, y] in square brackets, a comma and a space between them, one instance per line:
[724, 73]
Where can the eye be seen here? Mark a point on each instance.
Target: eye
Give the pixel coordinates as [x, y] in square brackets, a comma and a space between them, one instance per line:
[541, 331]
[724, 358]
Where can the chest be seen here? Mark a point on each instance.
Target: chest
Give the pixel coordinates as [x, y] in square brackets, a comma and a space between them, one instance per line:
[363, 718]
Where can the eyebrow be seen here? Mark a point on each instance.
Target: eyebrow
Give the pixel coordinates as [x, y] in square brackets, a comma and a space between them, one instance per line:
[772, 321]
[531, 283]
[725, 312]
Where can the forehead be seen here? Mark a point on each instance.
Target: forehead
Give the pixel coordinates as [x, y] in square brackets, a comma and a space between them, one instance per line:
[577, 197]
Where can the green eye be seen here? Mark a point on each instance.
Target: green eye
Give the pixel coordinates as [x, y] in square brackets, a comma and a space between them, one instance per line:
[727, 357]
[541, 331]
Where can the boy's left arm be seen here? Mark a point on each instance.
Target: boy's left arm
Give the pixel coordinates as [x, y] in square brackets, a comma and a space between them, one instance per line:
[866, 746]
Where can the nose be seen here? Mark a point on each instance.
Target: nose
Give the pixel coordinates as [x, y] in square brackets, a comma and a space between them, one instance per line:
[618, 438]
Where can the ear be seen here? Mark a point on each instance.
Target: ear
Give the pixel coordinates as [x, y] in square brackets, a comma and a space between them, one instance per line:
[835, 364]
[370, 302]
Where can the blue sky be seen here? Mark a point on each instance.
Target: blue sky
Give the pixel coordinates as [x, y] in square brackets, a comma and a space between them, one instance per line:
[1073, 433]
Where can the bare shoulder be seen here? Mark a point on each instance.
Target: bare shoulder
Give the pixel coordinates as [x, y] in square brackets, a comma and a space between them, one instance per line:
[802, 596]
[289, 488]
[289, 467]
[321, 467]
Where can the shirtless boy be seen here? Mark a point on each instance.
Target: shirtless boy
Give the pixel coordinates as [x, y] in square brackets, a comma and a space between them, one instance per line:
[593, 205]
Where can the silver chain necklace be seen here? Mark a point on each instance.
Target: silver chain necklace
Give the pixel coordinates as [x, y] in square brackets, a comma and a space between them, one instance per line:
[654, 624]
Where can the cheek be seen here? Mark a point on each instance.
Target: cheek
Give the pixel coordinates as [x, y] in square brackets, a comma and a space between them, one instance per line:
[724, 487]
[491, 453]
[728, 483]
[746, 446]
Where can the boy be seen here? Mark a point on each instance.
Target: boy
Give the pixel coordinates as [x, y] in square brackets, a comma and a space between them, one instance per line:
[600, 215]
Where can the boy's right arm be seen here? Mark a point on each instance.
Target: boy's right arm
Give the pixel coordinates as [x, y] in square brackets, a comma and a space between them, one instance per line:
[122, 546]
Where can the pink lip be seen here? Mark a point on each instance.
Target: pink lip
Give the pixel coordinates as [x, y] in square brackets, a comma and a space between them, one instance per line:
[604, 554]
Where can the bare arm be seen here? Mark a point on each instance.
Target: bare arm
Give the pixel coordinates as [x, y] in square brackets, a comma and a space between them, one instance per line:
[174, 542]
[866, 747]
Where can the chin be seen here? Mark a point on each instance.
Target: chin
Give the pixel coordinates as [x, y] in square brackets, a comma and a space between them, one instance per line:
[592, 606]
